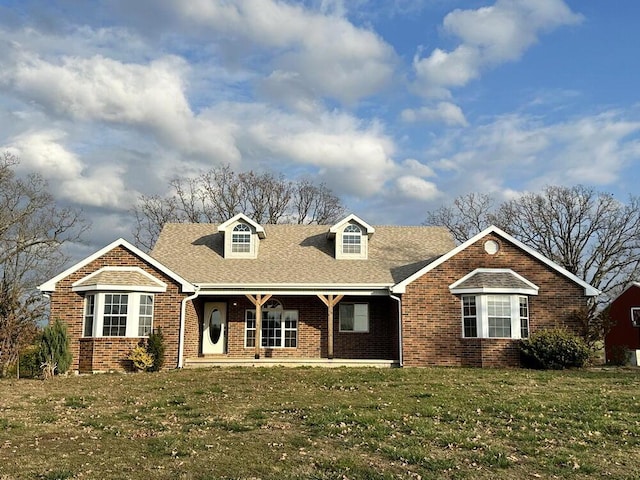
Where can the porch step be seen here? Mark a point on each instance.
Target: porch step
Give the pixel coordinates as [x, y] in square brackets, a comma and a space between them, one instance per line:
[221, 361]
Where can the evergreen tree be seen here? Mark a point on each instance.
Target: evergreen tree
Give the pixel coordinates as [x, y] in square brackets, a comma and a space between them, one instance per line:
[55, 348]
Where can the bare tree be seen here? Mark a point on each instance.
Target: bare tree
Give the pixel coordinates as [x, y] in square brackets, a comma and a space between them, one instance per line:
[315, 204]
[469, 214]
[32, 231]
[591, 234]
[220, 193]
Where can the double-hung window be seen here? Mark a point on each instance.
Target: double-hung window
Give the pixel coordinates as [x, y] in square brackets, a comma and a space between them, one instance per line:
[635, 316]
[354, 317]
[279, 327]
[114, 320]
[352, 240]
[89, 314]
[495, 316]
[118, 314]
[241, 239]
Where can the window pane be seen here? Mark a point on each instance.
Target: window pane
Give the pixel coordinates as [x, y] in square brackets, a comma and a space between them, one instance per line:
[361, 317]
[351, 239]
[115, 315]
[250, 328]
[469, 317]
[499, 327]
[89, 315]
[290, 328]
[346, 317]
[524, 317]
[145, 318]
[354, 317]
[241, 239]
[271, 329]
[499, 313]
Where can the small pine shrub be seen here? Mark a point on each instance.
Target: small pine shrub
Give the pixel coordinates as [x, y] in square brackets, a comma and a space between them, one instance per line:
[554, 349]
[141, 359]
[55, 348]
[156, 348]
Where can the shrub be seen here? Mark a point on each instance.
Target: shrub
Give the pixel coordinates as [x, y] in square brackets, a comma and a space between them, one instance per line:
[619, 355]
[156, 347]
[55, 349]
[141, 359]
[29, 362]
[554, 349]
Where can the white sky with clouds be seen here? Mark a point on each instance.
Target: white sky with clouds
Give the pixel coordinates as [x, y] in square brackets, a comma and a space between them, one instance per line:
[397, 106]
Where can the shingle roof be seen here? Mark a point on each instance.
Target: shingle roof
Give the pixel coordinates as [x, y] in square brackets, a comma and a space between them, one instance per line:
[298, 254]
[506, 280]
[117, 277]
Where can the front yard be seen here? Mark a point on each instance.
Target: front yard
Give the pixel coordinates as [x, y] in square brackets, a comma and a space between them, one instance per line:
[325, 424]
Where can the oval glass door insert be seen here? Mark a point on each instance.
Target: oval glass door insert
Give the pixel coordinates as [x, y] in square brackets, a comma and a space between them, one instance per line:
[215, 326]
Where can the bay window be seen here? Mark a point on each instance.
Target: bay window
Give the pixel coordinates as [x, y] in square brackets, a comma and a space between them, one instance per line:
[118, 314]
[495, 316]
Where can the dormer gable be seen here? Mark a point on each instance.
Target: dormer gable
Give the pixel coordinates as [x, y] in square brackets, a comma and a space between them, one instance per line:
[351, 236]
[242, 237]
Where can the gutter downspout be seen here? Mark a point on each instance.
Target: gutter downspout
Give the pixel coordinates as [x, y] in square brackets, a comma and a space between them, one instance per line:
[183, 314]
[399, 300]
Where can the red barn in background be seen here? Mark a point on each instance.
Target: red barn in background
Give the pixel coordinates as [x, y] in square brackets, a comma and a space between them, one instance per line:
[625, 316]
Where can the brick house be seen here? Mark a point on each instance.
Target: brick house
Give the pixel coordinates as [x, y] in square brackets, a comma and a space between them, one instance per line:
[624, 312]
[345, 294]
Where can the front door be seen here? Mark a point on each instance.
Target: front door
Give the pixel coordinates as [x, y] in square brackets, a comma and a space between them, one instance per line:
[215, 328]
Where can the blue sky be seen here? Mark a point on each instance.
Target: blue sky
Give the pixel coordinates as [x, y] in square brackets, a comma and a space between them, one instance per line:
[398, 106]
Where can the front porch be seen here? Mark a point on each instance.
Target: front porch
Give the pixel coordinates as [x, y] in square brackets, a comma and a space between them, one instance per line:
[221, 361]
[296, 330]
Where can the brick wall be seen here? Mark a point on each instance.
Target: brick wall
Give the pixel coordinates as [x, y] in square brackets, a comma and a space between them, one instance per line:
[431, 315]
[110, 353]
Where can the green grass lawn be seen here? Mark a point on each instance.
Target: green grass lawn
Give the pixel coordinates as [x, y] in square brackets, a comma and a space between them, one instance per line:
[284, 423]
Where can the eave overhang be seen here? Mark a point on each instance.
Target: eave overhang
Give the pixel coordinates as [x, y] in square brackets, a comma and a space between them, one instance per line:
[382, 289]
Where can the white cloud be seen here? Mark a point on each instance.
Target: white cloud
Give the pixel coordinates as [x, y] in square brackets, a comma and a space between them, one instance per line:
[69, 178]
[445, 112]
[354, 157]
[411, 165]
[488, 37]
[516, 152]
[417, 188]
[333, 57]
[149, 97]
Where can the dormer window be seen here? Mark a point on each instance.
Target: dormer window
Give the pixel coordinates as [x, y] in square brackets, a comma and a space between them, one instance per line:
[351, 235]
[241, 239]
[352, 240]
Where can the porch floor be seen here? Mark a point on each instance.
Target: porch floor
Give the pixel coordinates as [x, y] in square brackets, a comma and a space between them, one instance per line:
[198, 362]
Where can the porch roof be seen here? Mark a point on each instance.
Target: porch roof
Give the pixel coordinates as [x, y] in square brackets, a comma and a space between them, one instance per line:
[299, 255]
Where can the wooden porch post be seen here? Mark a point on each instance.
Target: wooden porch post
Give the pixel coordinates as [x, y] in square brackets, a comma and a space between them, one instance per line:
[258, 301]
[330, 301]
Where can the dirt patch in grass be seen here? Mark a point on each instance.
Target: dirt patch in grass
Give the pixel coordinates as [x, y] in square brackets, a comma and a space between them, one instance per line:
[324, 424]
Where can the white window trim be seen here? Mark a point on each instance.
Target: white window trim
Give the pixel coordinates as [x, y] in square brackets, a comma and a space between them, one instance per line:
[133, 314]
[482, 315]
[634, 324]
[364, 243]
[253, 241]
[354, 323]
[282, 328]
